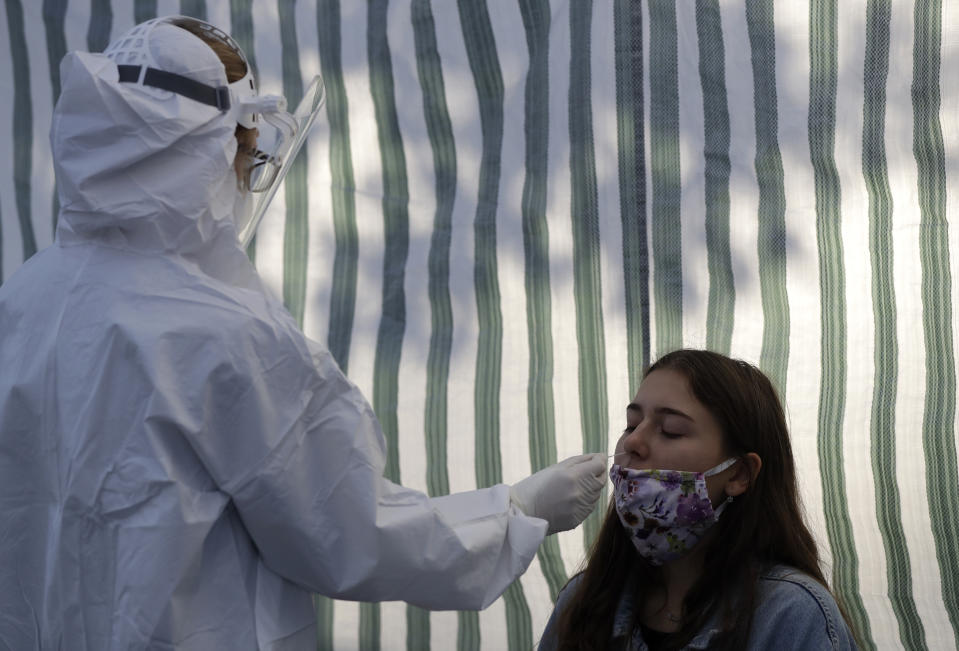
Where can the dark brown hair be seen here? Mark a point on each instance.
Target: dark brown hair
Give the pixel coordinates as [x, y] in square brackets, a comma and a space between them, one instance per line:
[762, 527]
[235, 70]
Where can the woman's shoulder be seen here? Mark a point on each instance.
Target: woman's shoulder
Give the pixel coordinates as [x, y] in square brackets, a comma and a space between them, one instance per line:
[785, 583]
[793, 606]
[549, 641]
[567, 591]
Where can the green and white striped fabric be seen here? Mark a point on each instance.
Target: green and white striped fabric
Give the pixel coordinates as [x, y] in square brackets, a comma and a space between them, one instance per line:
[510, 207]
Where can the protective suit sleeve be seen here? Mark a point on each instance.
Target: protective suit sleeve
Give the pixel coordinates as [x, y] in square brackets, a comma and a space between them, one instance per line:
[312, 495]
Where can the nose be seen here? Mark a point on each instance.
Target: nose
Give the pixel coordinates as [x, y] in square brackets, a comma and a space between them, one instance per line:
[636, 442]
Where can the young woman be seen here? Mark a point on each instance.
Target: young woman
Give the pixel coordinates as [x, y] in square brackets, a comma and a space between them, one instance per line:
[704, 544]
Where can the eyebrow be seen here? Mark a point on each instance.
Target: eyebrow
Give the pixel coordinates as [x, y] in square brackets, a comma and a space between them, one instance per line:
[660, 410]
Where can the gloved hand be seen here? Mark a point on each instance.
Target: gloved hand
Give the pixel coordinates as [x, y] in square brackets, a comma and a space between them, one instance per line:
[562, 494]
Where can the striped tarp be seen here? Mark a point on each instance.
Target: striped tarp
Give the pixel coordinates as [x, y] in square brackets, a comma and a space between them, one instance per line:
[510, 207]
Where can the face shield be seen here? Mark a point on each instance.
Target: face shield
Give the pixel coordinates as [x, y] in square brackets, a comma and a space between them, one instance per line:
[276, 151]
[139, 55]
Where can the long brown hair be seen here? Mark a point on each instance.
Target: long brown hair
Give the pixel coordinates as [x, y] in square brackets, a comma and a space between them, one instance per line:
[235, 68]
[762, 527]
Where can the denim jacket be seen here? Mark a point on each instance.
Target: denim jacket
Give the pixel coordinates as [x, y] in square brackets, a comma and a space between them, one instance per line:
[793, 611]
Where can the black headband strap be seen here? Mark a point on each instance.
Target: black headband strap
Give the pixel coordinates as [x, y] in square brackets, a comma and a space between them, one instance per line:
[218, 96]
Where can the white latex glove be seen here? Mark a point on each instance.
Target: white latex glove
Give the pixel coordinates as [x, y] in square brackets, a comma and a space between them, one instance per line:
[562, 494]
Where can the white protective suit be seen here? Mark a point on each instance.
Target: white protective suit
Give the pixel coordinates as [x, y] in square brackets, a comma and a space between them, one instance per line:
[179, 466]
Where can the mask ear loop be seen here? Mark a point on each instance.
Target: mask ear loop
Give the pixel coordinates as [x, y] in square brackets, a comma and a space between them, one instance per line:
[723, 466]
[728, 463]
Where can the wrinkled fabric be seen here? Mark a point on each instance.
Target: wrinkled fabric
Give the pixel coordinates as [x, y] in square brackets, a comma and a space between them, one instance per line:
[179, 466]
[665, 512]
[793, 612]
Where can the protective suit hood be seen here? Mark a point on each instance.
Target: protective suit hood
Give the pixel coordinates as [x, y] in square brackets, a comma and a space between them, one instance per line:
[144, 168]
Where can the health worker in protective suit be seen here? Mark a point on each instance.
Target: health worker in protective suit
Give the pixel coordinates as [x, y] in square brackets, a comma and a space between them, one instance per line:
[180, 467]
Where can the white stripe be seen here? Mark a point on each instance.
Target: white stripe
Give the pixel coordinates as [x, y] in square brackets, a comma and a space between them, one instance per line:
[747, 334]
[648, 183]
[346, 625]
[218, 14]
[567, 418]
[368, 182]
[411, 438]
[494, 635]
[910, 399]
[422, 207]
[606, 154]
[269, 236]
[507, 24]
[444, 627]
[603, 91]
[464, 116]
[463, 106]
[122, 19]
[168, 8]
[41, 91]
[949, 121]
[392, 625]
[802, 265]
[510, 36]
[860, 326]
[76, 23]
[321, 243]
[692, 179]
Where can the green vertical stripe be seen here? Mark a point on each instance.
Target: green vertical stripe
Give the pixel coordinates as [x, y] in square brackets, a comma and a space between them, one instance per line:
[440, 130]
[297, 232]
[417, 628]
[389, 336]
[712, 77]
[346, 252]
[241, 29]
[631, 152]
[144, 10]
[194, 8]
[539, 392]
[938, 432]
[369, 636]
[22, 126]
[346, 245]
[774, 356]
[468, 633]
[587, 261]
[822, 126]
[484, 64]
[665, 175]
[98, 30]
[54, 14]
[519, 625]
[886, 352]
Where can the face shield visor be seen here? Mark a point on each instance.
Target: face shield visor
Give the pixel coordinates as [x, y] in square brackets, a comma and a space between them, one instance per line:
[276, 150]
[280, 134]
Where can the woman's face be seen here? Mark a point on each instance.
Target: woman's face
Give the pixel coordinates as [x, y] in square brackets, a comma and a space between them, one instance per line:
[667, 428]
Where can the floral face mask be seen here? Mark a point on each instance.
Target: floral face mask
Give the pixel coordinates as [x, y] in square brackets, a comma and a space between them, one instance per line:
[665, 512]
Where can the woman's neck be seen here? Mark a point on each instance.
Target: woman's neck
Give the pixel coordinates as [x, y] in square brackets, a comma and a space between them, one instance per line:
[664, 609]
